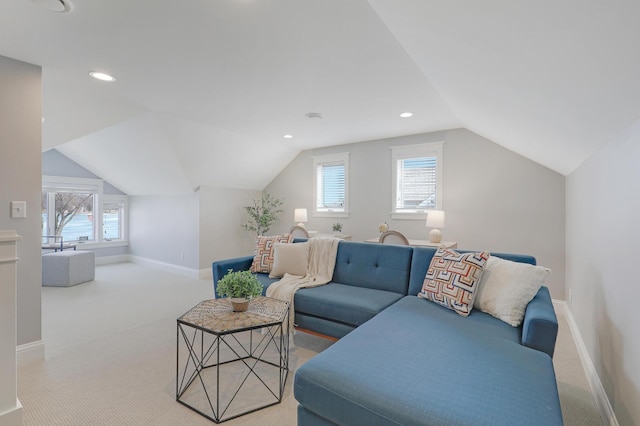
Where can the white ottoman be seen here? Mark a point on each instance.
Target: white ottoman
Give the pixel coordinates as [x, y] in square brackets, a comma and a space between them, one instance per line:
[67, 268]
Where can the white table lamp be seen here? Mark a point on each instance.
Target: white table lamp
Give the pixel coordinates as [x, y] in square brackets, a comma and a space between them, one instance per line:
[300, 216]
[435, 220]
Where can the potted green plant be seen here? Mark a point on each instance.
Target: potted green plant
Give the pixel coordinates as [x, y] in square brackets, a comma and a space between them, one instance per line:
[240, 287]
[262, 214]
[337, 228]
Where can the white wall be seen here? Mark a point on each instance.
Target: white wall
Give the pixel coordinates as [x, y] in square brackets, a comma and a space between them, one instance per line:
[54, 163]
[191, 231]
[165, 229]
[494, 199]
[221, 218]
[20, 147]
[603, 207]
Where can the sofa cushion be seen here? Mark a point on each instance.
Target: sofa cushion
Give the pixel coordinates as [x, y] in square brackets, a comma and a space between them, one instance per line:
[343, 303]
[263, 256]
[418, 363]
[289, 259]
[452, 279]
[376, 266]
[507, 287]
[266, 282]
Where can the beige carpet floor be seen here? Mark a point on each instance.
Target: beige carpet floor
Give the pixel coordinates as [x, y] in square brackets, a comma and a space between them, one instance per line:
[111, 356]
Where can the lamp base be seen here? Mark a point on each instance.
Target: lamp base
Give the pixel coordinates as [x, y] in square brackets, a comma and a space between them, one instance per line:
[435, 236]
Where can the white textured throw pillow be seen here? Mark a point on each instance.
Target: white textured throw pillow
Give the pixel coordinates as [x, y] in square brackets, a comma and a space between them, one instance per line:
[507, 287]
[289, 259]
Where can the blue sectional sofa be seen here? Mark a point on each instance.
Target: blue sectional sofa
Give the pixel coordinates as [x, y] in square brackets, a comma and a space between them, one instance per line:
[402, 360]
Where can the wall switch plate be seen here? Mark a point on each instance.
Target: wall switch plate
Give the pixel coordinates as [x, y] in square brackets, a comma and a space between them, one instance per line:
[18, 209]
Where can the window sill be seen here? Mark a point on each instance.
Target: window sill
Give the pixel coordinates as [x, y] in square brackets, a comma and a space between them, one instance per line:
[409, 216]
[339, 215]
[102, 244]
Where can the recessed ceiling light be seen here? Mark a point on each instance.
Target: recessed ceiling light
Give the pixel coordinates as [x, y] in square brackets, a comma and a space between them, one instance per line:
[406, 114]
[102, 76]
[287, 136]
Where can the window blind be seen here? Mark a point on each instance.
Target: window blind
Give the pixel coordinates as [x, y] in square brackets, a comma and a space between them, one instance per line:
[331, 184]
[416, 183]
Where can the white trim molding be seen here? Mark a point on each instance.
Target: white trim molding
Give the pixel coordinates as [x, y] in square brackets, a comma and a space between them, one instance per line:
[107, 260]
[156, 264]
[206, 273]
[29, 352]
[13, 416]
[10, 407]
[599, 394]
[175, 269]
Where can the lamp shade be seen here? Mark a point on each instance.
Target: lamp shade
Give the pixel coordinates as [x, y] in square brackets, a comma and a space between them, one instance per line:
[300, 215]
[435, 219]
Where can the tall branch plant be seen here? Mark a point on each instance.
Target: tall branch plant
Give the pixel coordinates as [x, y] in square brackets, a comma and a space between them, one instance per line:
[262, 214]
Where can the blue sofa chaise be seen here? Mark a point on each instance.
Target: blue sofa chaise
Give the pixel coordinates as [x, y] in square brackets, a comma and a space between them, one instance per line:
[402, 360]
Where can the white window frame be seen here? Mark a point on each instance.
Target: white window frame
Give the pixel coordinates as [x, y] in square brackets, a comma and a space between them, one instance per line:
[431, 149]
[52, 184]
[124, 220]
[328, 160]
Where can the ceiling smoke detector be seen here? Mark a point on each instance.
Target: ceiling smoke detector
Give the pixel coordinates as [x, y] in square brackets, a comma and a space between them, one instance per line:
[58, 6]
[314, 115]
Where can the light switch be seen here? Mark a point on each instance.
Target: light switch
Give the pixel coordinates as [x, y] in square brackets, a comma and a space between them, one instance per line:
[18, 209]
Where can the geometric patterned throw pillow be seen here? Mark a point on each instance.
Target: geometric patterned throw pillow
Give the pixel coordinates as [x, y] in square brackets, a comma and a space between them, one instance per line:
[452, 279]
[263, 257]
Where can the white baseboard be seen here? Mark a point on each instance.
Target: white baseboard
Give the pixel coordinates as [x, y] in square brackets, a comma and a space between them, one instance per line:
[206, 273]
[168, 267]
[106, 260]
[180, 270]
[12, 417]
[599, 394]
[29, 352]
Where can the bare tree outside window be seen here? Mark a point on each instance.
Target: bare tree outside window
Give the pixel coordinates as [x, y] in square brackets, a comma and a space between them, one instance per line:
[77, 210]
[69, 204]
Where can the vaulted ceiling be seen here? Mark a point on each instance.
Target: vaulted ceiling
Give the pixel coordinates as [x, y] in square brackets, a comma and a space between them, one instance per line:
[206, 89]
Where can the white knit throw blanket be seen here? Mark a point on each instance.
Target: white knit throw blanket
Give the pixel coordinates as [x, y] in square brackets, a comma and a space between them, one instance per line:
[322, 261]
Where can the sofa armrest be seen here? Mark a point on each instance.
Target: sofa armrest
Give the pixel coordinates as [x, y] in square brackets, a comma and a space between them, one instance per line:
[540, 324]
[221, 267]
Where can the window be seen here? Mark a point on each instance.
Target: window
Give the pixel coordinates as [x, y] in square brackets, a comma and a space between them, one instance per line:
[77, 210]
[331, 185]
[113, 217]
[417, 180]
